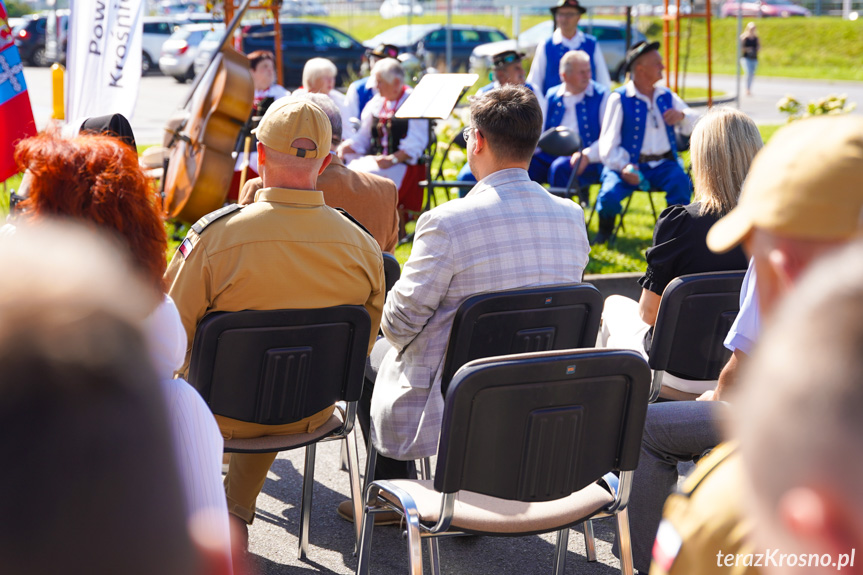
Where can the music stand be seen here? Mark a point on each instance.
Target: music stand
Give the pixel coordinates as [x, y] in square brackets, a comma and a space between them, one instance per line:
[434, 98]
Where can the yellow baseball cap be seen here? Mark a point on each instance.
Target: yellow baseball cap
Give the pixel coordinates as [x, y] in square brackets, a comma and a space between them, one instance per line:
[806, 183]
[289, 119]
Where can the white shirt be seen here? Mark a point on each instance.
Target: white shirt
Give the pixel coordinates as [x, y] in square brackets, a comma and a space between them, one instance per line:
[275, 91]
[570, 101]
[412, 144]
[195, 434]
[655, 136]
[538, 68]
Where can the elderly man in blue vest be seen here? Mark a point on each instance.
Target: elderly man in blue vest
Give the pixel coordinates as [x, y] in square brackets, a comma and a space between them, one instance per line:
[579, 104]
[638, 144]
[507, 71]
[546, 61]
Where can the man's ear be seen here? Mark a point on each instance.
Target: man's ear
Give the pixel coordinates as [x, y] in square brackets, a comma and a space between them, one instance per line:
[327, 159]
[477, 141]
[820, 522]
[785, 267]
[262, 155]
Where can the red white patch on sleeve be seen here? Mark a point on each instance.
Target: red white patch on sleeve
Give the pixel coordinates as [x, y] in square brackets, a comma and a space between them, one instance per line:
[667, 546]
[185, 248]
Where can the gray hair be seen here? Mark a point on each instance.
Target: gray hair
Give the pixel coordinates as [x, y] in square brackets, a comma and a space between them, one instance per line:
[387, 70]
[317, 68]
[329, 107]
[723, 145]
[571, 58]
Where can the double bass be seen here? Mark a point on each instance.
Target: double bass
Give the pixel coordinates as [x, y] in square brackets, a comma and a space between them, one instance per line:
[202, 135]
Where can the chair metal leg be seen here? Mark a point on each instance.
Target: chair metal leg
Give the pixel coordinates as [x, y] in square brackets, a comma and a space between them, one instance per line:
[652, 206]
[589, 540]
[560, 551]
[619, 225]
[343, 457]
[415, 552]
[306, 506]
[371, 460]
[624, 543]
[434, 549]
[350, 445]
[366, 539]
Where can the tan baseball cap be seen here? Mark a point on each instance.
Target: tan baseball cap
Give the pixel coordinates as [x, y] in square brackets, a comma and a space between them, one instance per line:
[289, 119]
[806, 183]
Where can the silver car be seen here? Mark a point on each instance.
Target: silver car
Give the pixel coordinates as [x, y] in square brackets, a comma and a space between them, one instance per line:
[610, 34]
[208, 46]
[179, 51]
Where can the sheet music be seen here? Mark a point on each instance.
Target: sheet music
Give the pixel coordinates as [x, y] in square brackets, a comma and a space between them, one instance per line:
[435, 96]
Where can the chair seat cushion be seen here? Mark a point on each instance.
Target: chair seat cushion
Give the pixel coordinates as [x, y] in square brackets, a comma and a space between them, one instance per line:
[476, 513]
[271, 443]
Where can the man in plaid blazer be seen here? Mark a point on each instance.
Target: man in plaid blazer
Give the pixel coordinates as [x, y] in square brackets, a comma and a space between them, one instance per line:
[508, 232]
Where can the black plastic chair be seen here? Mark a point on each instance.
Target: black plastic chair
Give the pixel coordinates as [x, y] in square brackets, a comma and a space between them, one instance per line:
[525, 445]
[392, 271]
[695, 313]
[278, 367]
[562, 141]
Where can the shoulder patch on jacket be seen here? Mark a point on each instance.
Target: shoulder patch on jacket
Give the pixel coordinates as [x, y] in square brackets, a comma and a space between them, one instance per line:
[213, 216]
[345, 213]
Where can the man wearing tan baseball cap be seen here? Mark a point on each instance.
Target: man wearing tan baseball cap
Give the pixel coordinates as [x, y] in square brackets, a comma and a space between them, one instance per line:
[802, 200]
[286, 250]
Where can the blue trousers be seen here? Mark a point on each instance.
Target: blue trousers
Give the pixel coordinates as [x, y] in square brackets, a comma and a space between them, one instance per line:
[668, 176]
[465, 175]
[561, 171]
[539, 165]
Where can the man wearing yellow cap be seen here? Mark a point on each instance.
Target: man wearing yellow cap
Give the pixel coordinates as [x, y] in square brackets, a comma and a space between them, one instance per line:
[287, 250]
[802, 200]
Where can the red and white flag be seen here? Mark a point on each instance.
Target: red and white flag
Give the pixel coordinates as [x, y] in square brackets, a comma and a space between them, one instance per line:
[16, 114]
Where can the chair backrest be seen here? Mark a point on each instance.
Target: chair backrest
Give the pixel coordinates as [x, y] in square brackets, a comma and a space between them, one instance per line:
[277, 367]
[392, 271]
[695, 314]
[537, 427]
[559, 141]
[521, 321]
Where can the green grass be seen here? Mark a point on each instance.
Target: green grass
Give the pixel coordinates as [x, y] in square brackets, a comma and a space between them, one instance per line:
[818, 48]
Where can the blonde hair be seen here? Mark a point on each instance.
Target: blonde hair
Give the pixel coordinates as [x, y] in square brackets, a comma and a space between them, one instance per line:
[315, 69]
[749, 31]
[722, 147]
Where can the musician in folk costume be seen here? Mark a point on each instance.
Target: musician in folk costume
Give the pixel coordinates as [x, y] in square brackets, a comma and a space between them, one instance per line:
[638, 144]
[386, 145]
[361, 92]
[566, 37]
[578, 103]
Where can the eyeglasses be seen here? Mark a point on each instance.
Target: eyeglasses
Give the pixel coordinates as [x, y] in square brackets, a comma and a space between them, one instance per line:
[467, 131]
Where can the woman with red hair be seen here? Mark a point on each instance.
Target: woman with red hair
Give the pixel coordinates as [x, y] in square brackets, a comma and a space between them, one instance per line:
[96, 180]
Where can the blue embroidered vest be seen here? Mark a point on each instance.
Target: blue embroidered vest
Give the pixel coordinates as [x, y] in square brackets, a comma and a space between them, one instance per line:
[553, 54]
[635, 121]
[586, 113]
[364, 93]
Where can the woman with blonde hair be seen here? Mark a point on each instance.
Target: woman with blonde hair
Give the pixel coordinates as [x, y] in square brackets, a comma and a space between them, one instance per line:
[749, 46]
[722, 147]
[319, 77]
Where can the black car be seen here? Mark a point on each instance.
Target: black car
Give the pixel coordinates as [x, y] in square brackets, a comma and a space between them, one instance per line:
[30, 40]
[428, 41]
[302, 41]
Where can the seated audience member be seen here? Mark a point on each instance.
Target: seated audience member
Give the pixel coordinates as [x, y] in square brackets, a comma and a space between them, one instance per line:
[361, 92]
[371, 199]
[507, 233]
[638, 144]
[723, 145]
[508, 71]
[115, 125]
[83, 421]
[319, 77]
[798, 422]
[787, 220]
[96, 180]
[385, 145]
[286, 250]
[578, 104]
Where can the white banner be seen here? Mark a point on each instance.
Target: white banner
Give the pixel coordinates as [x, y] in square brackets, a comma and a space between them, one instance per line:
[103, 57]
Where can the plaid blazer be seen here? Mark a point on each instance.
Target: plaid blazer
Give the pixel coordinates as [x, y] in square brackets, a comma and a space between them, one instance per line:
[508, 232]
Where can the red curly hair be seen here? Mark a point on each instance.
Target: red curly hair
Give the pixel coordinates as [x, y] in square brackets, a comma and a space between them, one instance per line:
[97, 179]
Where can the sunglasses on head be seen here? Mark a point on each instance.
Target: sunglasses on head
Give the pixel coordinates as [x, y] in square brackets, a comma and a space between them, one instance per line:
[508, 59]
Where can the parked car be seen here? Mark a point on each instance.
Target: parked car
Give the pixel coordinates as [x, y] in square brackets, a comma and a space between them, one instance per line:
[30, 40]
[157, 30]
[301, 41]
[208, 46]
[428, 42]
[303, 8]
[178, 51]
[400, 8]
[764, 8]
[611, 35]
[56, 36]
